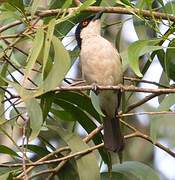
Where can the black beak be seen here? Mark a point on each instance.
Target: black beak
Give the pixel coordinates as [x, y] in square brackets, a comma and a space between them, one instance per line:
[98, 15]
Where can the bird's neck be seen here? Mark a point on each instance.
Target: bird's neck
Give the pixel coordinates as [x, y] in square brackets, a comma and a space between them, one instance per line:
[93, 29]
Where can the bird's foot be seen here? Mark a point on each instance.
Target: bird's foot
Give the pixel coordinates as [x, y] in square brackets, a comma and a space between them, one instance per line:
[95, 88]
[121, 88]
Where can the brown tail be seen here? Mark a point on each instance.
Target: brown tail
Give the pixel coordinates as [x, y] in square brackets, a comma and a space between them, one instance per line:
[113, 138]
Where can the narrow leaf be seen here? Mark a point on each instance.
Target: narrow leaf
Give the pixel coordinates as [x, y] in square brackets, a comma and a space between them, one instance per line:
[3, 70]
[139, 170]
[33, 108]
[165, 105]
[18, 4]
[7, 150]
[83, 102]
[76, 144]
[59, 69]
[35, 5]
[113, 176]
[47, 44]
[139, 48]
[169, 60]
[85, 121]
[34, 52]
[66, 4]
[96, 103]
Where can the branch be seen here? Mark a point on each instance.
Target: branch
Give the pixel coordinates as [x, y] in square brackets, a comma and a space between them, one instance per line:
[148, 138]
[145, 81]
[119, 10]
[139, 103]
[130, 88]
[23, 149]
[135, 134]
[144, 113]
[86, 140]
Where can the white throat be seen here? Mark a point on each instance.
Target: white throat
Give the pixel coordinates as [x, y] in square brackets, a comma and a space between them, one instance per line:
[93, 29]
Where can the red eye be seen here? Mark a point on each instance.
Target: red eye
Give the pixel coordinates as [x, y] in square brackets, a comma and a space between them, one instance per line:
[85, 23]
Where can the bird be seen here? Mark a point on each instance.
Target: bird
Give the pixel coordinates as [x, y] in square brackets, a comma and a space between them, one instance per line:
[100, 64]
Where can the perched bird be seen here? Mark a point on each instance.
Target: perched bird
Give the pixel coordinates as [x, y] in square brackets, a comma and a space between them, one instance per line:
[100, 64]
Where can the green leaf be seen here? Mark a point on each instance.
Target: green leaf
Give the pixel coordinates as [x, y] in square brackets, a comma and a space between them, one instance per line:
[161, 58]
[47, 43]
[114, 176]
[157, 120]
[169, 8]
[18, 4]
[85, 121]
[83, 102]
[140, 48]
[4, 176]
[35, 5]
[7, 150]
[7, 15]
[86, 4]
[140, 28]
[139, 170]
[3, 70]
[38, 150]
[46, 103]
[63, 115]
[170, 61]
[34, 52]
[67, 4]
[76, 144]
[59, 69]
[165, 81]
[33, 108]
[63, 28]
[96, 103]
[117, 39]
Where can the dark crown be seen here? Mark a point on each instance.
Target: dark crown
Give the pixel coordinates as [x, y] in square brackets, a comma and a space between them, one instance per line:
[79, 28]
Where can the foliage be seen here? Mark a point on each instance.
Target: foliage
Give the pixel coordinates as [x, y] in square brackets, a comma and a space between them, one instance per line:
[34, 62]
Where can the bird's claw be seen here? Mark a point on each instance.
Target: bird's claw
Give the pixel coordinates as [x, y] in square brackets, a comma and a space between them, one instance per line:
[95, 88]
[121, 88]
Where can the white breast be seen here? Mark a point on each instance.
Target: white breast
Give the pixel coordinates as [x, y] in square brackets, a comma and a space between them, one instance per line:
[100, 61]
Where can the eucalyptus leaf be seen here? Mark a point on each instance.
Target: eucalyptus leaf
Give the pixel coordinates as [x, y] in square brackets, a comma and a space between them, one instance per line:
[139, 170]
[85, 121]
[59, 69]
[96, 103]
[34, 7]
[158, 120]
[170, 60]
[139, 48]
[33, 108]
[3, 71]
[76, 144]
[113, 176]
[34, 52]
[6, 150]
[47, 43]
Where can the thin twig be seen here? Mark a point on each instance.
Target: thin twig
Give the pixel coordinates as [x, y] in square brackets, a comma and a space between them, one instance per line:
[23, 149]
[142, 101]
[146, 113]
[6, 59]
[148, 138]
[145, 81]
[86, 140]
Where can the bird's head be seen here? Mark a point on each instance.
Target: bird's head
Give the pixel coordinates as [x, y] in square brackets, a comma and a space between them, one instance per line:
[87, 27]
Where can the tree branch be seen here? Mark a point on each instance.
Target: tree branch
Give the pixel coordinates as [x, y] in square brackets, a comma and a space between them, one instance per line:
[130, 88]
